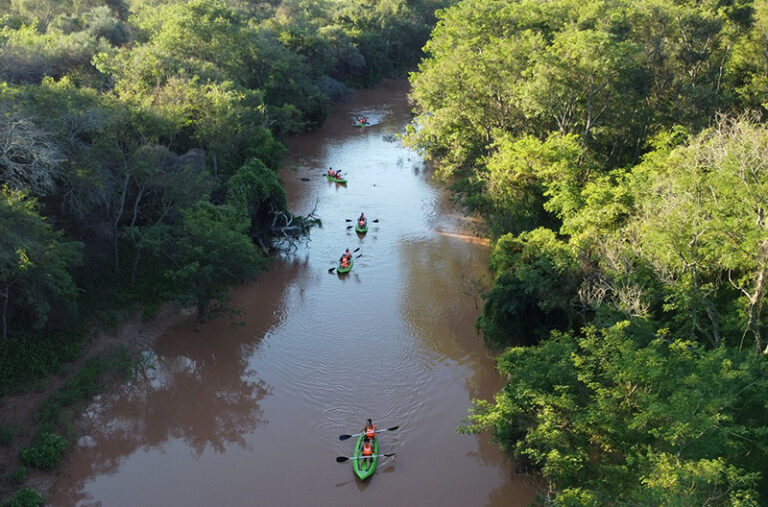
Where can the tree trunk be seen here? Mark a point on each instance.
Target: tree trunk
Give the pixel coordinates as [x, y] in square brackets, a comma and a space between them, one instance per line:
[709, 307]
[116, 230]
[714, 319]
[756, 298]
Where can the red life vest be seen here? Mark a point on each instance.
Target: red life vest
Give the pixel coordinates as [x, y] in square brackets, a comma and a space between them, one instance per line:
[344, 262]
[370, 431]
[367, 449]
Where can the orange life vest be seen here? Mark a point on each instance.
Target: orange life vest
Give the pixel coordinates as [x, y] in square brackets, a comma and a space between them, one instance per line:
[367, 449]
[370, 431]
[344, 262]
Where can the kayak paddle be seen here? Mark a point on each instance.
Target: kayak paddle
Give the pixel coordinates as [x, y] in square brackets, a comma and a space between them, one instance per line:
[342, 459]
[344, 437]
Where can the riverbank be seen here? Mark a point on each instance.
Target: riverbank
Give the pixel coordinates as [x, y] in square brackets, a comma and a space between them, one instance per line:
[20, 410]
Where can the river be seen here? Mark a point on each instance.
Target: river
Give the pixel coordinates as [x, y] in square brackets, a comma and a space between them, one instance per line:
[250, 414]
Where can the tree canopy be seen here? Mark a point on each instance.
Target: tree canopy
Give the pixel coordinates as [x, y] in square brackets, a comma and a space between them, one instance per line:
[617, 150]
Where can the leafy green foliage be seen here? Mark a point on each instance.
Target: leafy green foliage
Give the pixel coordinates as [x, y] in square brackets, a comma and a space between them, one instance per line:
[34, 261]
[46, 452]
[209, 253]
[536, 280]
[255, 191]
[27, 497]
[621, 416]
[525, 178]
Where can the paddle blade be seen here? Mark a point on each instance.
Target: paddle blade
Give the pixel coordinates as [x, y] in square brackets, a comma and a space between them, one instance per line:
[358, 256]
[344, 437]
[331, 270]
[348, 220]
[350, 226]
[356, 249]
[341, 459]
[376, 221]
[393, 428]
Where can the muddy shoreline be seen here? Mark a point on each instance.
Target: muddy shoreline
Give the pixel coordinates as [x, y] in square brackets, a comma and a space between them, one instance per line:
[20, 410]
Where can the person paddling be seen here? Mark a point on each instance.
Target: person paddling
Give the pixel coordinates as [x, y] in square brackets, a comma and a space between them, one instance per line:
[370, 429]
[367, 450]
[346, 255]
[362, 221]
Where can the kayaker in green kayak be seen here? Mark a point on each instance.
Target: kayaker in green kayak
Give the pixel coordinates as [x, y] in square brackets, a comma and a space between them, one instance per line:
[370, 429]
[367, 451]
[345, 257]
[362, 221]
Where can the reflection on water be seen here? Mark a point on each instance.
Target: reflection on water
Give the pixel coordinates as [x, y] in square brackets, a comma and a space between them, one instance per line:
[251, 414]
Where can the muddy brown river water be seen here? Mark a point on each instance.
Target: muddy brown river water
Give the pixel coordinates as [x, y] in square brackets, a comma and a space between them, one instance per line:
[250, 415]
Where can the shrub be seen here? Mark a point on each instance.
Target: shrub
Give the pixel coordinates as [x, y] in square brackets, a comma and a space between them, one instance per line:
[27, 497]
[47, 451]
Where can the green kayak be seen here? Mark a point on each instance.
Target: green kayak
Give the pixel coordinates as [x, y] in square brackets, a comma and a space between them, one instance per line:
[361, 230]
[337, 180]
[341, 269]
[365, 468]
[360, 124]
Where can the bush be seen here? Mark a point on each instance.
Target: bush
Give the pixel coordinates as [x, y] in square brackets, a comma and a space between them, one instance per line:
[27, 497]
[47, 451]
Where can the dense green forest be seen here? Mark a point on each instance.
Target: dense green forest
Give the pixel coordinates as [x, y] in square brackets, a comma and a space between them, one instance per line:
[619, 151]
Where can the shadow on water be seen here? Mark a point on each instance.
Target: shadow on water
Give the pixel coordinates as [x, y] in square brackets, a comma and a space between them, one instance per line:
[194, 390]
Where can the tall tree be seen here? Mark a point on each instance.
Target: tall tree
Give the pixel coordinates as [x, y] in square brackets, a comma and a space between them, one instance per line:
[209, 253]
[35, 263]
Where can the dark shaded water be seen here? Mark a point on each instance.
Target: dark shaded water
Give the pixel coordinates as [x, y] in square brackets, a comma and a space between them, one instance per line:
[251, 415]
